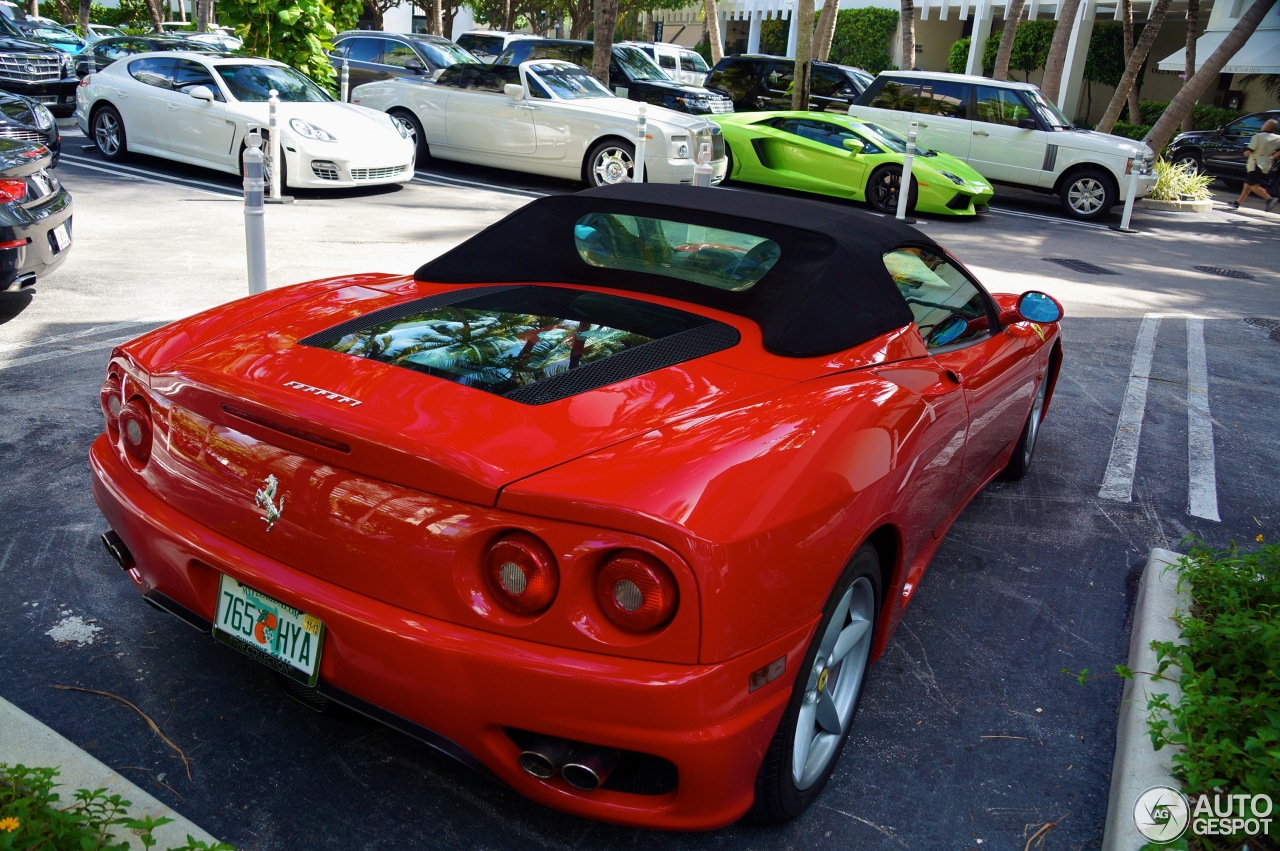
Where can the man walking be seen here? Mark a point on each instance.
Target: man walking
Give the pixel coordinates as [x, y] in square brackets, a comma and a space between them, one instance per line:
[1263, 149]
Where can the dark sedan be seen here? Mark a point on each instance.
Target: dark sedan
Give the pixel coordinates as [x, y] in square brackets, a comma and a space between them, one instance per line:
[1220, 152]
[26, 120]
[373, 56]
[108, 50]
[35, 216]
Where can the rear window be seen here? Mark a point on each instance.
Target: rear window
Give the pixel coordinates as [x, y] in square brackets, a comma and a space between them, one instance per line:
[713, 257]
[529, 344]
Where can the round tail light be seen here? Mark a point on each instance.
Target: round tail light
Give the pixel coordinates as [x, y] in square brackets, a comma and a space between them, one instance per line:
[637, 592]
[112, 404]
[522, 573]
[135, 429]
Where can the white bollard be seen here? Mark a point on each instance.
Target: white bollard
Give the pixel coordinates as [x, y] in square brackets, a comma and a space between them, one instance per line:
[273, 140]
[346, 81]
[702, 170]
[255, 235]
[642, 134]
[904, 188]
[1130, 197]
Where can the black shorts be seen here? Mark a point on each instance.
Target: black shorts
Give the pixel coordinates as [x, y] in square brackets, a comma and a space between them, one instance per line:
[1253, 177]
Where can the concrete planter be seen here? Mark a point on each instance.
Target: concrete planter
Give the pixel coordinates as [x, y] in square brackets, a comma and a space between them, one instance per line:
[1178, 206]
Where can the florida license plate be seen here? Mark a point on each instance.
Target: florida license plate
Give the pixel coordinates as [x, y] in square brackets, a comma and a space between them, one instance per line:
[61, 238]
[275, 634]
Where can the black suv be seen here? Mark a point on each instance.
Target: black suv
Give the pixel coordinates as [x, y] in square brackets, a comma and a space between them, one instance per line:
[632, 74]
[375, 56]
[42, 73]
[756, 82]
[1220, 152]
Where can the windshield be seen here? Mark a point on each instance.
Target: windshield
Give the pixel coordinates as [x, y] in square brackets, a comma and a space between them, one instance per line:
[887, 140]
[567, 82]
[695, 61]
[444, 55]
[1048, 113]
[253, 84]
[636, 65]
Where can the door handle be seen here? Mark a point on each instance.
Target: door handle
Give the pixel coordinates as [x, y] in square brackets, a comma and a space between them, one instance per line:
[955, 376]
[981, 133]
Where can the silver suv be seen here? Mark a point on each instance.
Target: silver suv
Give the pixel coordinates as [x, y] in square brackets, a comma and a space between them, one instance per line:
[1012, 134]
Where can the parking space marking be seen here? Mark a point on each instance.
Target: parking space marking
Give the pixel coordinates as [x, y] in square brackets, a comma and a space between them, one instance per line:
[1203, 493]
[1202, 477]
[430, 179]
[1117, 484]
[74, 335]
[152, 177]
[62, 353]
[1045, 218]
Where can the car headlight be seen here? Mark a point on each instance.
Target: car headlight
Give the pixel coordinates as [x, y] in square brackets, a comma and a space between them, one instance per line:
[43, 117]
[958, 181]
[680, 147]
[310, 131]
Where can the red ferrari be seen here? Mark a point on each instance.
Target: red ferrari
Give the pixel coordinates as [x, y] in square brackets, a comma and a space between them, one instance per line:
[615, 502]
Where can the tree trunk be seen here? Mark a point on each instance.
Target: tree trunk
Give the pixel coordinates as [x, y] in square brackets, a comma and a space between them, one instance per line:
[1182, 102]
[1126, 26]
[435, 18]
[33, 8]
[1013, 14]
[64, 10]
[1053, 65]
[826, 30]
[713, 31]
[907, 21]
[83, 18]
[157, 16]
[1139, 56]
[606, 19]
[1193, 24]
[802, 18]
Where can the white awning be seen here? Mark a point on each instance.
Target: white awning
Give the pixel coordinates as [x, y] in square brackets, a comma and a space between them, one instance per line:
[1260, 54]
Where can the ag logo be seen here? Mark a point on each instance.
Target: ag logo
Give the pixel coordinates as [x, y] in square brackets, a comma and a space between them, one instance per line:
[1161, 814]
[266, 498]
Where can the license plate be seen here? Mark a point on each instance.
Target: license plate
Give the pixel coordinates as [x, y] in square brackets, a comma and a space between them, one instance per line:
[61, 238]
[275, 634]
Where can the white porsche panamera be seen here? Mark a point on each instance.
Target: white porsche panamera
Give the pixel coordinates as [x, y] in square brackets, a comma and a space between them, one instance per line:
[198, 109]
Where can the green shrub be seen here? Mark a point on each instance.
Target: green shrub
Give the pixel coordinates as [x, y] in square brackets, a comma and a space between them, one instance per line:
[31, 816]
[1179, 183]
[861, 38]
[958, 58]
[1203, 116]
[1227, 722]
[1131, 131]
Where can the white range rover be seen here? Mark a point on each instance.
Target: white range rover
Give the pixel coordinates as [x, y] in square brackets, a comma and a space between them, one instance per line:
[1012, 134]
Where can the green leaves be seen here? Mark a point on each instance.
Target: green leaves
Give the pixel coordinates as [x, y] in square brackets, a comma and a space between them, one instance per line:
[297, 32]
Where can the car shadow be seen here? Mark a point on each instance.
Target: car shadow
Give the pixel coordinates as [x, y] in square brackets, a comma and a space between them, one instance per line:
[11, 304]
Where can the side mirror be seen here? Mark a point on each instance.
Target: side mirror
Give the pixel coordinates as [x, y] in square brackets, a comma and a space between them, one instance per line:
[515, 91]
[201, 93]
[854, 146]
[1033, 306]
[415, 65]
[1027, 124]
[82, 69]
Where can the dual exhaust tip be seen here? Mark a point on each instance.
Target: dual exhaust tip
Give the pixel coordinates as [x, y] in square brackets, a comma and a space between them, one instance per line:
[584, 767]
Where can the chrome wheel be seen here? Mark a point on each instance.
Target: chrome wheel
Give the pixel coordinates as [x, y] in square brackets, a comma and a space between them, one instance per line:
[611, 162]
[1088, 194]
[108, 133]
[835, 676]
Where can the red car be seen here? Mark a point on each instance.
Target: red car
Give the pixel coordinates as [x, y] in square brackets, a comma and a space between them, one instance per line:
[615, 502]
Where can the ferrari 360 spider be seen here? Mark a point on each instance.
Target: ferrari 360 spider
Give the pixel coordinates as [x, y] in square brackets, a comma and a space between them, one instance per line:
[619, 518]
[833, 154]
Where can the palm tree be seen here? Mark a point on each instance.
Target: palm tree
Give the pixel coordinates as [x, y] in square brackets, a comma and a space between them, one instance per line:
[826, 30]
[907, 19]
[802, 18]
[606, 18]
[1126, 27]
[1058, 49]
[1140, 51]
[1193, 24]
[1013, 14]
[1182, 102]
[713, 31]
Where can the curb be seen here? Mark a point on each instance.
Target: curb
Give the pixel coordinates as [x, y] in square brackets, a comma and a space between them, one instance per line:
[25, 740]
[1205, 206]
[1136, 766]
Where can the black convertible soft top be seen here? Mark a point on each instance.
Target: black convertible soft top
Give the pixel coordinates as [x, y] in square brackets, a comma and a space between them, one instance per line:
[829, 289]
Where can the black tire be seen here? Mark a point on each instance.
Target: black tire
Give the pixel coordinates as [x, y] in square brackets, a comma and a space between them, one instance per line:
[823, 686]
[728, 162]
[1189, 158]
[608, 162]
[882, 190]
[1088, 194]
[416, 132]
[1025, 449]
[107, 130]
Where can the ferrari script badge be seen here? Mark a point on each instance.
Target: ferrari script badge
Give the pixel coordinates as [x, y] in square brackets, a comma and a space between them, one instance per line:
[266, 497]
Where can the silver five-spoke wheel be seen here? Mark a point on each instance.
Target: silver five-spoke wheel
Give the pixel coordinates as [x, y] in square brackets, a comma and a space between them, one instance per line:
[610, 162]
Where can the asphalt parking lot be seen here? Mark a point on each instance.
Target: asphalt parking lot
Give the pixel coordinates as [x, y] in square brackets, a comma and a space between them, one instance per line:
[970, 735]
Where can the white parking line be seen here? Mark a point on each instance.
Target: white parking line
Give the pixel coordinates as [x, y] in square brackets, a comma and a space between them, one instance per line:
[140, 174]
[445, 180]
[1043, 218]
[86, 332]
[62, 353]
[1117, 484]
[1202, 468]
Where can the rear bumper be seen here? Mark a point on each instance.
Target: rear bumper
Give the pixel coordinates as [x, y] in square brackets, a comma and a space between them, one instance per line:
[461, 689]
[22, 266]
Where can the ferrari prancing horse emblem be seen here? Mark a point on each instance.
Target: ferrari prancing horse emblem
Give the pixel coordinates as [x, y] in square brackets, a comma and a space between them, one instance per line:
[266, 497]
